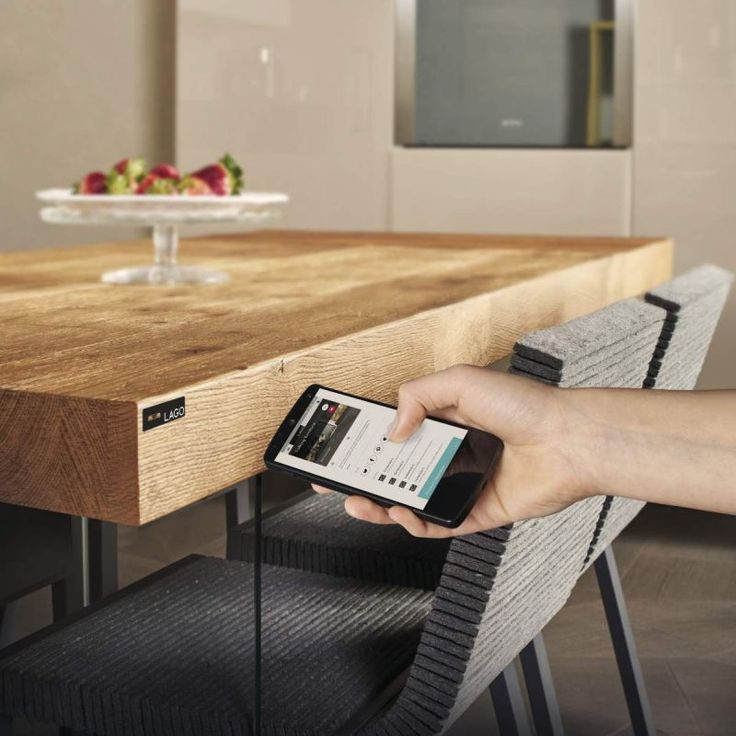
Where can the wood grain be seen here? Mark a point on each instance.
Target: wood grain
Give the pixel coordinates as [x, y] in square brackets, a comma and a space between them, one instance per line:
[362, 312]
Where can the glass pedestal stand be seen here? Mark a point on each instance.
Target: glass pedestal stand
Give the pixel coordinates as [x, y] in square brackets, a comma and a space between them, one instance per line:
[166, 269]
[165, 214]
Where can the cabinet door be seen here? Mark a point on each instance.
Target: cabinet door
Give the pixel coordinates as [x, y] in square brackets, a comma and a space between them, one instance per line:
[513, 72]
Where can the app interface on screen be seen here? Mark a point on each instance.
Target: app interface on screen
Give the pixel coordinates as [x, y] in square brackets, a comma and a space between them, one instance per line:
[344, 439]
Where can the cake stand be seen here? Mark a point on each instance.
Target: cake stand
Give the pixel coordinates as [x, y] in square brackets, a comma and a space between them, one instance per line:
[164, 214]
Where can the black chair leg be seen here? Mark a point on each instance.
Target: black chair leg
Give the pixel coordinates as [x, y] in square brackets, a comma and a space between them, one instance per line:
[622, 637]
[540, 688]
[239, 507]
[508, 703]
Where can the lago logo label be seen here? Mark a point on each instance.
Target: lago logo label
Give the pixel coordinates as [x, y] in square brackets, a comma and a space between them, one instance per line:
[169, 411]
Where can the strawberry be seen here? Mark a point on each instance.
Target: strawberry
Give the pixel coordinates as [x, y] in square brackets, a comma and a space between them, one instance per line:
[163, 186]
[152, 184]
[224, 178]
[124, 176]
[215, 177]
[93, 183]
[119, 184]
[145, 184]
[166, 171]
[192, 185]
[132, 168]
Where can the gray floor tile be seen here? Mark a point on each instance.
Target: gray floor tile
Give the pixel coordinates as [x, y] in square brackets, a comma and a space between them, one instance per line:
[710, 690]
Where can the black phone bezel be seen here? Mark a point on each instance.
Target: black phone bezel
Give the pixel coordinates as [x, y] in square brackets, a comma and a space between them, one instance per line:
[445, 509]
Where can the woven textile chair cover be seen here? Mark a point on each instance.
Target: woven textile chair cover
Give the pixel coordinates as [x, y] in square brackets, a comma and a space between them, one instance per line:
[174, 654]
[477, 627]
[316, 534]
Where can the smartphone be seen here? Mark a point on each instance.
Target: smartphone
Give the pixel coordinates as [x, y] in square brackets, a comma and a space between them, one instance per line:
[340, 441]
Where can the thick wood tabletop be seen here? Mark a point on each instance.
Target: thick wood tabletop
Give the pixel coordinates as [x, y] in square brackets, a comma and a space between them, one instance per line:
[81, 361]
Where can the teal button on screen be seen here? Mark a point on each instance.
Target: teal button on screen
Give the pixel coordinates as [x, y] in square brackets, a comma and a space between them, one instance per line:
[439, 470]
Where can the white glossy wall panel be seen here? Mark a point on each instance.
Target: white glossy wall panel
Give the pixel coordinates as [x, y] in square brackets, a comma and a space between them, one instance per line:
[565, 192]
[301, 92]
[685, 143]
[83, 83]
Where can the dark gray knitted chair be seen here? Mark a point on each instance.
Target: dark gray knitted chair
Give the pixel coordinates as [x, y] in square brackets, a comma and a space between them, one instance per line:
[174, 654]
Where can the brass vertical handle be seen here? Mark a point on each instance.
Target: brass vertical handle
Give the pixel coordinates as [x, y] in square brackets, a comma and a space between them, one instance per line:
[623, 72]
[405, 71]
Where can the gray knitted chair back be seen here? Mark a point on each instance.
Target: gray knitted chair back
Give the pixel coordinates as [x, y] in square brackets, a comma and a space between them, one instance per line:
[499, 589]
[693, 303]
[588, 352]
[612, 347]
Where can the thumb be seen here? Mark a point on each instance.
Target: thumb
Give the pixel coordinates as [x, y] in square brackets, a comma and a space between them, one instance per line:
[409, 415]
[436, 393]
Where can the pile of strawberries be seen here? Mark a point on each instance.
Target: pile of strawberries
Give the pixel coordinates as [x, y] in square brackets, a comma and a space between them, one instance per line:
[132, 176]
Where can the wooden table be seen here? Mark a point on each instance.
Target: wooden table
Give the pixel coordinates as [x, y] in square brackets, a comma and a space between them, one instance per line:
[82, 363]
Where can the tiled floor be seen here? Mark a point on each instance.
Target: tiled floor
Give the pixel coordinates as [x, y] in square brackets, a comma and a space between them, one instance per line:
[679, 575]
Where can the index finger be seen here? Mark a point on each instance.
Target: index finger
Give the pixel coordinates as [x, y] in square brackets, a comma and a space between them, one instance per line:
[435, 393]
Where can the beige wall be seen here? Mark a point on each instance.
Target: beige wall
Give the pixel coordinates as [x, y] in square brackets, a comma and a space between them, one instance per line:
[685, 144]
[82, 84]
[301, 91]
[554, 191]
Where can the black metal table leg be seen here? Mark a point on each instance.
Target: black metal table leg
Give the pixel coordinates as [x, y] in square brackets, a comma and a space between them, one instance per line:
[622, 637]
[239, 507]
[70, 594]
[256, 485]
[103, 559]
[540, 688]
[508, 703]
[60, 607]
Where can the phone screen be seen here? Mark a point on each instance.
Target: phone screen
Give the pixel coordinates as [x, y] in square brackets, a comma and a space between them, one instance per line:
[344, 439]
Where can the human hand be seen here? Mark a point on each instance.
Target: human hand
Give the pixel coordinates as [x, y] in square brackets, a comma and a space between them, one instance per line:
[539, 471]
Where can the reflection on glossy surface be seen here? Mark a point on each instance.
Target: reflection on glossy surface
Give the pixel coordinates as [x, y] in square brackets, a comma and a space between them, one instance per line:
[513, 74]
[301, 92]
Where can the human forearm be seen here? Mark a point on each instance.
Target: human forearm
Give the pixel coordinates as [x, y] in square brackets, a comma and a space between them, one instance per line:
[672, 447]
[563, 445]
